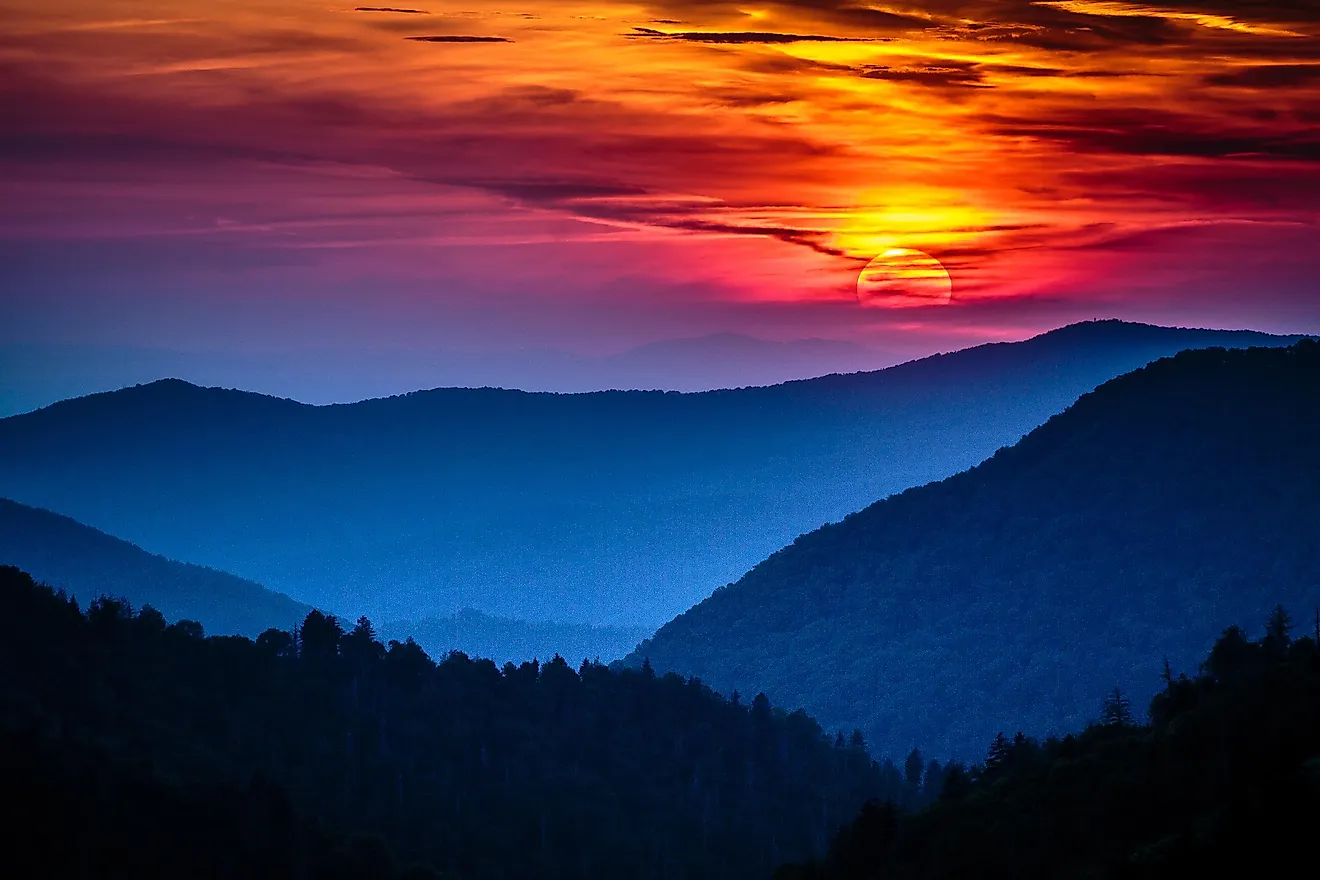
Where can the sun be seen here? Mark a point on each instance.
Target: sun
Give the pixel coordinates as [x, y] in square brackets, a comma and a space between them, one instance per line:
[904, 278]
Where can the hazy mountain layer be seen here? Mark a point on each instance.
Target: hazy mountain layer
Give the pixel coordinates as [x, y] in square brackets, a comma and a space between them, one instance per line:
[1163, 507]
[87, 564]
[618, 508]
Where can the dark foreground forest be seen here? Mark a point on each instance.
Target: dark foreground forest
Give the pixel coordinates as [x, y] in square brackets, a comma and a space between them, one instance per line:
[1223, 781]
[137, 748]
[133, 748]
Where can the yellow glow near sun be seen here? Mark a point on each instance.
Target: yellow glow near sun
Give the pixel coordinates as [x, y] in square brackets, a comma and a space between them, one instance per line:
[909, 216]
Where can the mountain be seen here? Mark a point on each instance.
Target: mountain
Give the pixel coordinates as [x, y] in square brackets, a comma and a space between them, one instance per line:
[1159, 509]
[505, 640]
[1222, 783]
[38, 375]
[613, 508]
[120, 728]
[88, 564]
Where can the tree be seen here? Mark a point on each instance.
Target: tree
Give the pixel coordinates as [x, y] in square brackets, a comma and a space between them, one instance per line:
[957, 782]
[360, 646]
[189, 628]
[934, 779]
[106, 611]
[320, 636]
[276, 642]
[1277, 628]
[1229, 655]
[1000, 750]
[913, 767]
[1116, 711]
[406, 663]
[151, 620]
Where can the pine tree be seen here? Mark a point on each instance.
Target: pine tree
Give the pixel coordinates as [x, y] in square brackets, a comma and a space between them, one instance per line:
[1000, 749]
[1117, 710]
[1278, 627]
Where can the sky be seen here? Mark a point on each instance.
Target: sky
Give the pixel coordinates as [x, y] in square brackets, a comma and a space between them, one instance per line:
[251, 178]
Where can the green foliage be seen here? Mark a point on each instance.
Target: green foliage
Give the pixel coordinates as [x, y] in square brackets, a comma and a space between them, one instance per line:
[1160, 508]
[1222, 782]
[164, 753]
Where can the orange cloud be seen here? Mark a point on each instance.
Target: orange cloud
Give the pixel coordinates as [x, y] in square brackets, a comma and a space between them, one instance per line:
[996, 136]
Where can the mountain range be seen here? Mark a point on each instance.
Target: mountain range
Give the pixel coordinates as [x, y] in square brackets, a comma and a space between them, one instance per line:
[1159, 509]
[611, 508]
[39, 375]
[88, 564]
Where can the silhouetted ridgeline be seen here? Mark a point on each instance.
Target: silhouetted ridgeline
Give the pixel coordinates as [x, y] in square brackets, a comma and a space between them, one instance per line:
[1224, 782]
[1166, 505]
[141, 747]
[609, 508]
[501, 639]
[88, 563]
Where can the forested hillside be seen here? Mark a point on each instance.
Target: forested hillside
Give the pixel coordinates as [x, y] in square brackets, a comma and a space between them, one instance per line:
[612, 508]
[1224, 781]
[141, 747]
[1159, 509]
[88, 563]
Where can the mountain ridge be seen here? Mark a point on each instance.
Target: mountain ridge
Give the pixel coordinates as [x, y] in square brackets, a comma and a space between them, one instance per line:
[610, 508]
[1180, 495]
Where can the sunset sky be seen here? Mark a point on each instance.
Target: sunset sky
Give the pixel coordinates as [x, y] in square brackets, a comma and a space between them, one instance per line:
[253, 175]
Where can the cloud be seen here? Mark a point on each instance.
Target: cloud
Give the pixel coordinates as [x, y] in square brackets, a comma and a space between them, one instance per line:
[839, 12]
[740, 37]
[1147, 132]
[391, 9]
[1070, 26]
[545, 191]
[458, 38]
[946, 74]
[1267, 76]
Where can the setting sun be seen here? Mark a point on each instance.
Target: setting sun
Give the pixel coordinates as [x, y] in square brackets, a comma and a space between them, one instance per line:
[904, 278]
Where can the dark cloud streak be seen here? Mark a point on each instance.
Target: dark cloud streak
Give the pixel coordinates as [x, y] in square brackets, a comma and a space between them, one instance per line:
[458, 38]
[740, 37]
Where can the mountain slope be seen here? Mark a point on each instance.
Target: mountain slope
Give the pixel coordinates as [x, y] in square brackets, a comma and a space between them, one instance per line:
[1222, 783]
[616, 508]
[1159, 509]
[87, 564]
